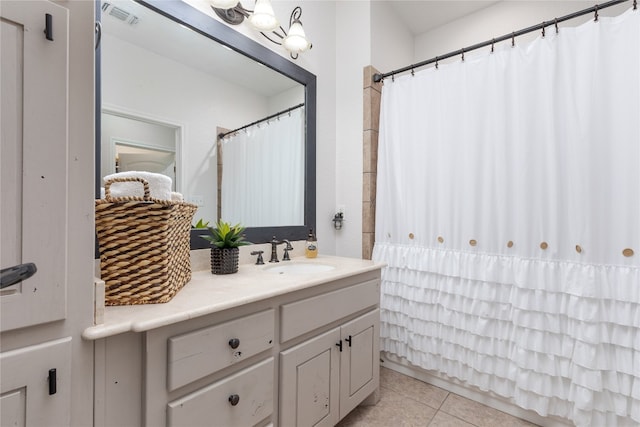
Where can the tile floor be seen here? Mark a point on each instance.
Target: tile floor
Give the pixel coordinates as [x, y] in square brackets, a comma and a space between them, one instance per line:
[405, 401]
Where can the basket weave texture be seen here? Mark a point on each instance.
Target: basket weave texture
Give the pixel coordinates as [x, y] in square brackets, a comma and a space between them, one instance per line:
[144, 246]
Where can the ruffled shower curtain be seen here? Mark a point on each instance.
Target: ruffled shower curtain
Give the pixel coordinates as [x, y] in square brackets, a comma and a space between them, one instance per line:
[508, 212]
[263, 173]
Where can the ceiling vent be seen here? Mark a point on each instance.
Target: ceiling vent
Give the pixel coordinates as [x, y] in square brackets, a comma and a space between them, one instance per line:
[118, 13]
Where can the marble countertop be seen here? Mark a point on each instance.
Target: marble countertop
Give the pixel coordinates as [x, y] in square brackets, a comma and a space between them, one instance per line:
[207, 293]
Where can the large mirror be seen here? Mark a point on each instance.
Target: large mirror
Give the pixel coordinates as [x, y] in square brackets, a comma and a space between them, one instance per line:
[231, 122]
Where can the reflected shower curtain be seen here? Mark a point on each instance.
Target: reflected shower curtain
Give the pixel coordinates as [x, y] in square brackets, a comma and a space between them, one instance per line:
[263, 173]
[508, 212]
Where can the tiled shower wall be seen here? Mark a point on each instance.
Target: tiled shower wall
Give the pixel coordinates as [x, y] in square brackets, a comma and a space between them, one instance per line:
[372, 92]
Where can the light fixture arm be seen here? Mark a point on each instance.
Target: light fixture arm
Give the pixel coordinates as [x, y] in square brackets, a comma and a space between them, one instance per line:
[296, 14]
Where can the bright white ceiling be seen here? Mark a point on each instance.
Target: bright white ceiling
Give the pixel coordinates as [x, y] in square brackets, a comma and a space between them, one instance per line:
[424, 15]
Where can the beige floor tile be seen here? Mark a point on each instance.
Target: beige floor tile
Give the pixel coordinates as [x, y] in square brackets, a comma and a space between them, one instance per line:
[405, 401]
[393, 409]
[413, 388]
[353, 419]
[442, 419]
[479, 414]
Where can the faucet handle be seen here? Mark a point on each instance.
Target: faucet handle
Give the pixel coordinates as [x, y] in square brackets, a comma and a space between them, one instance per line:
[286, 253]
[259, 261]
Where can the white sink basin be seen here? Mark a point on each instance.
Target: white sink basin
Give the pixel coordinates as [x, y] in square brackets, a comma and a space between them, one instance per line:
[299, 268]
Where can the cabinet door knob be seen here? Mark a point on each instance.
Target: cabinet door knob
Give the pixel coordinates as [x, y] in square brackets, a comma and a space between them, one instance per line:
[348, 340]
[234, 399]
[339, 345]
[234, 343]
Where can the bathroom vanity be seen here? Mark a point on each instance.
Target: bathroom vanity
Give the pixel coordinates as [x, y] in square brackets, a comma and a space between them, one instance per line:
[289, 344]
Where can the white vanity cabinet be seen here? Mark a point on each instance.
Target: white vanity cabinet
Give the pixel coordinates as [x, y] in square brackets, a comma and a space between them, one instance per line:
[323, 378]
[269, 361]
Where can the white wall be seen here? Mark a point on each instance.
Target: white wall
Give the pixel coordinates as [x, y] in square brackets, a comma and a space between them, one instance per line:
[392, 44]
[131, 77]
[286, 99]
[353, 53]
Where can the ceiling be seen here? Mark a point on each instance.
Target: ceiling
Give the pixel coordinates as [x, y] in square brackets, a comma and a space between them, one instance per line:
[421, 16]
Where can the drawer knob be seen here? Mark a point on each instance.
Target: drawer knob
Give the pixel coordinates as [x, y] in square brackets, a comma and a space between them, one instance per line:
[234, 399]
[234, 343]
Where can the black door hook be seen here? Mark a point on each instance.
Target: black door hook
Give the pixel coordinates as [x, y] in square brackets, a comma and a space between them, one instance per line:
[12, 275]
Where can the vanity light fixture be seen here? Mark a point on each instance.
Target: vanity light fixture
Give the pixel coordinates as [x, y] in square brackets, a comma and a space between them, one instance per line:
[263, 19]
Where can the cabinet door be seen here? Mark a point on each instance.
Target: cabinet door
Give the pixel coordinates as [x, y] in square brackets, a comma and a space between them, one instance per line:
[33, 159]
[26, 396]
[359, 360]
[309, 376]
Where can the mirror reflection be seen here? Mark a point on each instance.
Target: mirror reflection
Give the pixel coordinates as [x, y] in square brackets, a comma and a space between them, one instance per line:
[168, 92]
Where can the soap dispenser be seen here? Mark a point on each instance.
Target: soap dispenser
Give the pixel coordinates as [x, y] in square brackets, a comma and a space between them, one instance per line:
[311, 246]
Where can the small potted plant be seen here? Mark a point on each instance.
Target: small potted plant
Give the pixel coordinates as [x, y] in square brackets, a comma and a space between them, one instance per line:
[225, 240]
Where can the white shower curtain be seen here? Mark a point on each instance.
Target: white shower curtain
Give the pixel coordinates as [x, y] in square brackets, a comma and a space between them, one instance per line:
[263, 173]
[508, 204]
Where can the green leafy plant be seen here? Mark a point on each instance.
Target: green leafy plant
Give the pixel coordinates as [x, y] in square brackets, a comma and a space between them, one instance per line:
[225, 235]
[201, 224]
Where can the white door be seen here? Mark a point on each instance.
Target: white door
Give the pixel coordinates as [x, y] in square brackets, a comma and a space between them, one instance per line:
[33, 225]
[309, 381]
[359, 360]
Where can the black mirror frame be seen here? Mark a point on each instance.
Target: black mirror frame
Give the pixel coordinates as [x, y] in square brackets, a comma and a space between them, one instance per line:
[184, 14]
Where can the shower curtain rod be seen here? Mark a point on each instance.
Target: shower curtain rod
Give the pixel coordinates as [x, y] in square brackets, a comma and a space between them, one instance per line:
[379, 77]
[222, 135]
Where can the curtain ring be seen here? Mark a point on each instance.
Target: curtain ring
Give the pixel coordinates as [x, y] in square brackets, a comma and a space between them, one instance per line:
[635, 4]
[543, 25]
[412, 72]
[436, 62]
[555, 22]
[513, 39]
[462, 54]
[493, 42]
[595, 19]
[393, 78]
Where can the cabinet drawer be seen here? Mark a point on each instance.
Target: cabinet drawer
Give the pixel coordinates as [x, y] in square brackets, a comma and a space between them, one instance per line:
[311, 313]
[212, 405]
[199, 353]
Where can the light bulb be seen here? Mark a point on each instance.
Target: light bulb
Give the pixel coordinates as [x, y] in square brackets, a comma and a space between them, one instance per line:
[296, 41]
[263, 18]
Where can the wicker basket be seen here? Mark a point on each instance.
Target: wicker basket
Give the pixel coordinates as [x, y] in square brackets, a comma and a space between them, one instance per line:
[144, 246]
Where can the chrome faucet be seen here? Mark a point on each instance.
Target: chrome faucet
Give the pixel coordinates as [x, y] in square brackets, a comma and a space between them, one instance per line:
[274, 252]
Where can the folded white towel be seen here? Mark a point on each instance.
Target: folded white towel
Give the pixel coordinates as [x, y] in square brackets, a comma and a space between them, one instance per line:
[159, 185]
[176, 197]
